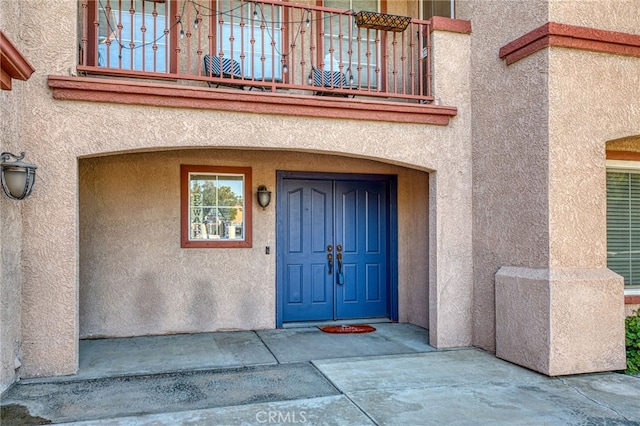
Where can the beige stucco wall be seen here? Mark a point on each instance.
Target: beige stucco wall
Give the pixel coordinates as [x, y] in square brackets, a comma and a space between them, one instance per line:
[613, 15]
[59, 132]
[11, 277]
[510, 123]
[136, 280]
[12, 139]
[539, 175]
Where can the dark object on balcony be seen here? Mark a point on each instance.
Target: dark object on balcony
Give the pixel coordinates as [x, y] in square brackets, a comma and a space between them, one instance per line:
[330, 79]
[230, 67]
[382, 21]
[334, 79]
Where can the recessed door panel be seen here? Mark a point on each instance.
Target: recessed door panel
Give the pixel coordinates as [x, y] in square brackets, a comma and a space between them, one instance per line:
[308, 231]
[360, 207]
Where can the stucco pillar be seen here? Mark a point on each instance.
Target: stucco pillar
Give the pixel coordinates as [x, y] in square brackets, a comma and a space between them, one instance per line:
[450, 272]
[50, 290]
[560, 321]
[49, 237]
[450, 189]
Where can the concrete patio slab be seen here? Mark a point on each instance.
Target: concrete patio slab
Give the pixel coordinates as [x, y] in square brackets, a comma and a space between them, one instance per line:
[115, 397]
[618, 392]
[468, 367]
[469, 387]
[494, 404]
[181, 352]
[312, 344]
[419, 386]
[329, 410]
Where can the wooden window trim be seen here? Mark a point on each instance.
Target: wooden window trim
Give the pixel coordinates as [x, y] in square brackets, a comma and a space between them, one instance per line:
[623, 155]
[185, 226]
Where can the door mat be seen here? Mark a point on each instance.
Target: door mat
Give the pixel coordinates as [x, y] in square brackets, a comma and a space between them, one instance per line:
[345, 329]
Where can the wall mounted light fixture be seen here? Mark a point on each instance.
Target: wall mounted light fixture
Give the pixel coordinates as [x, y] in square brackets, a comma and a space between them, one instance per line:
[264, 196]
[17, 176]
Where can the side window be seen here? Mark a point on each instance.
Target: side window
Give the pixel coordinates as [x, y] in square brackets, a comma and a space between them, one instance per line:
[215, 206]
[431, 8]
[623, 220]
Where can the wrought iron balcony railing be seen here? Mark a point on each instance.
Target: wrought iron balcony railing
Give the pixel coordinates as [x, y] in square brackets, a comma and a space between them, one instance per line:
[268, 45]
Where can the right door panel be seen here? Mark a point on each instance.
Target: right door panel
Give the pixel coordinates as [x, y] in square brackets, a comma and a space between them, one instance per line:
[361, 230]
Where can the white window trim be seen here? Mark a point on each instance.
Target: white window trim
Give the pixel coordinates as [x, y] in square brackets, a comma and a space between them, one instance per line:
[629, 166]
[632, 166]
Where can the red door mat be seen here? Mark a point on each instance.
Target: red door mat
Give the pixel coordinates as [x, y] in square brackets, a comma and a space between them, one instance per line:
[354, 328]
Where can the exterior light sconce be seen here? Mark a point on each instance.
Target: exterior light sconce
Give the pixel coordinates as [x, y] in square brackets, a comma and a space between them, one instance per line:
[264, 196]
[17, 176]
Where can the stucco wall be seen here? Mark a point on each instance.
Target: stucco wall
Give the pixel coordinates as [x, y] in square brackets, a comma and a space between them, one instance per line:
[539, 131]
[136, 280]
[10, 266]
[11, 278]
[614, 15]
[60, 132]
[509, 151]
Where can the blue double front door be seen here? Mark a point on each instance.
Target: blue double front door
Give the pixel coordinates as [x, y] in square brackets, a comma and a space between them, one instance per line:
[333, 239]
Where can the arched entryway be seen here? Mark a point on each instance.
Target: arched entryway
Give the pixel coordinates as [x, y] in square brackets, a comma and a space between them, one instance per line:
[136, 279]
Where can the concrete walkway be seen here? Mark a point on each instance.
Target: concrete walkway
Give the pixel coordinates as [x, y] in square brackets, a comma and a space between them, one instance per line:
[304, 376]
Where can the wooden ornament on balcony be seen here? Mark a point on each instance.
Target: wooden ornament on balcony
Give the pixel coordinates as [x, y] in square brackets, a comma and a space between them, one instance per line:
[382, 21]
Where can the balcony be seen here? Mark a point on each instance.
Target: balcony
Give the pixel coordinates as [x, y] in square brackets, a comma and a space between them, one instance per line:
[255, 48]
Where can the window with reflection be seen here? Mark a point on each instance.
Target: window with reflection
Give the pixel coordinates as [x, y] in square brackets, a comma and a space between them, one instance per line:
[431, 8]
[355, 51]
[131, 35]
[216, 206]
[250, 33]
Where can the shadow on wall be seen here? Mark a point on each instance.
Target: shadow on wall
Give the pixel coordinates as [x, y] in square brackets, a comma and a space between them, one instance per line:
[150, 303]
[201, 306]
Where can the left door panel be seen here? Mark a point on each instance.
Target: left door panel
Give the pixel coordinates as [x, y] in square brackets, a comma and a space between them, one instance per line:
[307, 282]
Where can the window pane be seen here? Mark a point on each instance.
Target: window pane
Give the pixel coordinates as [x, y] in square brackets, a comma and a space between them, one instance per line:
[359, 67]
[251, 34]
[623, 225]
[128, 32]
[431, 8]
[216, 207]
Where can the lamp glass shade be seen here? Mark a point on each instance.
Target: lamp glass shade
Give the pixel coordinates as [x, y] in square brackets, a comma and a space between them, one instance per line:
[264, 196]
[18, 181]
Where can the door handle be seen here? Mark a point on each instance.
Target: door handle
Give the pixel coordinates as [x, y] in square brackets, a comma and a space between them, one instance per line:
[330, 259]
[340, 274]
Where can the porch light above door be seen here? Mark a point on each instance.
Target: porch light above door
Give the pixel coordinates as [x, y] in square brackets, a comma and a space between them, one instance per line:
[264, 196]
[17, 176]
